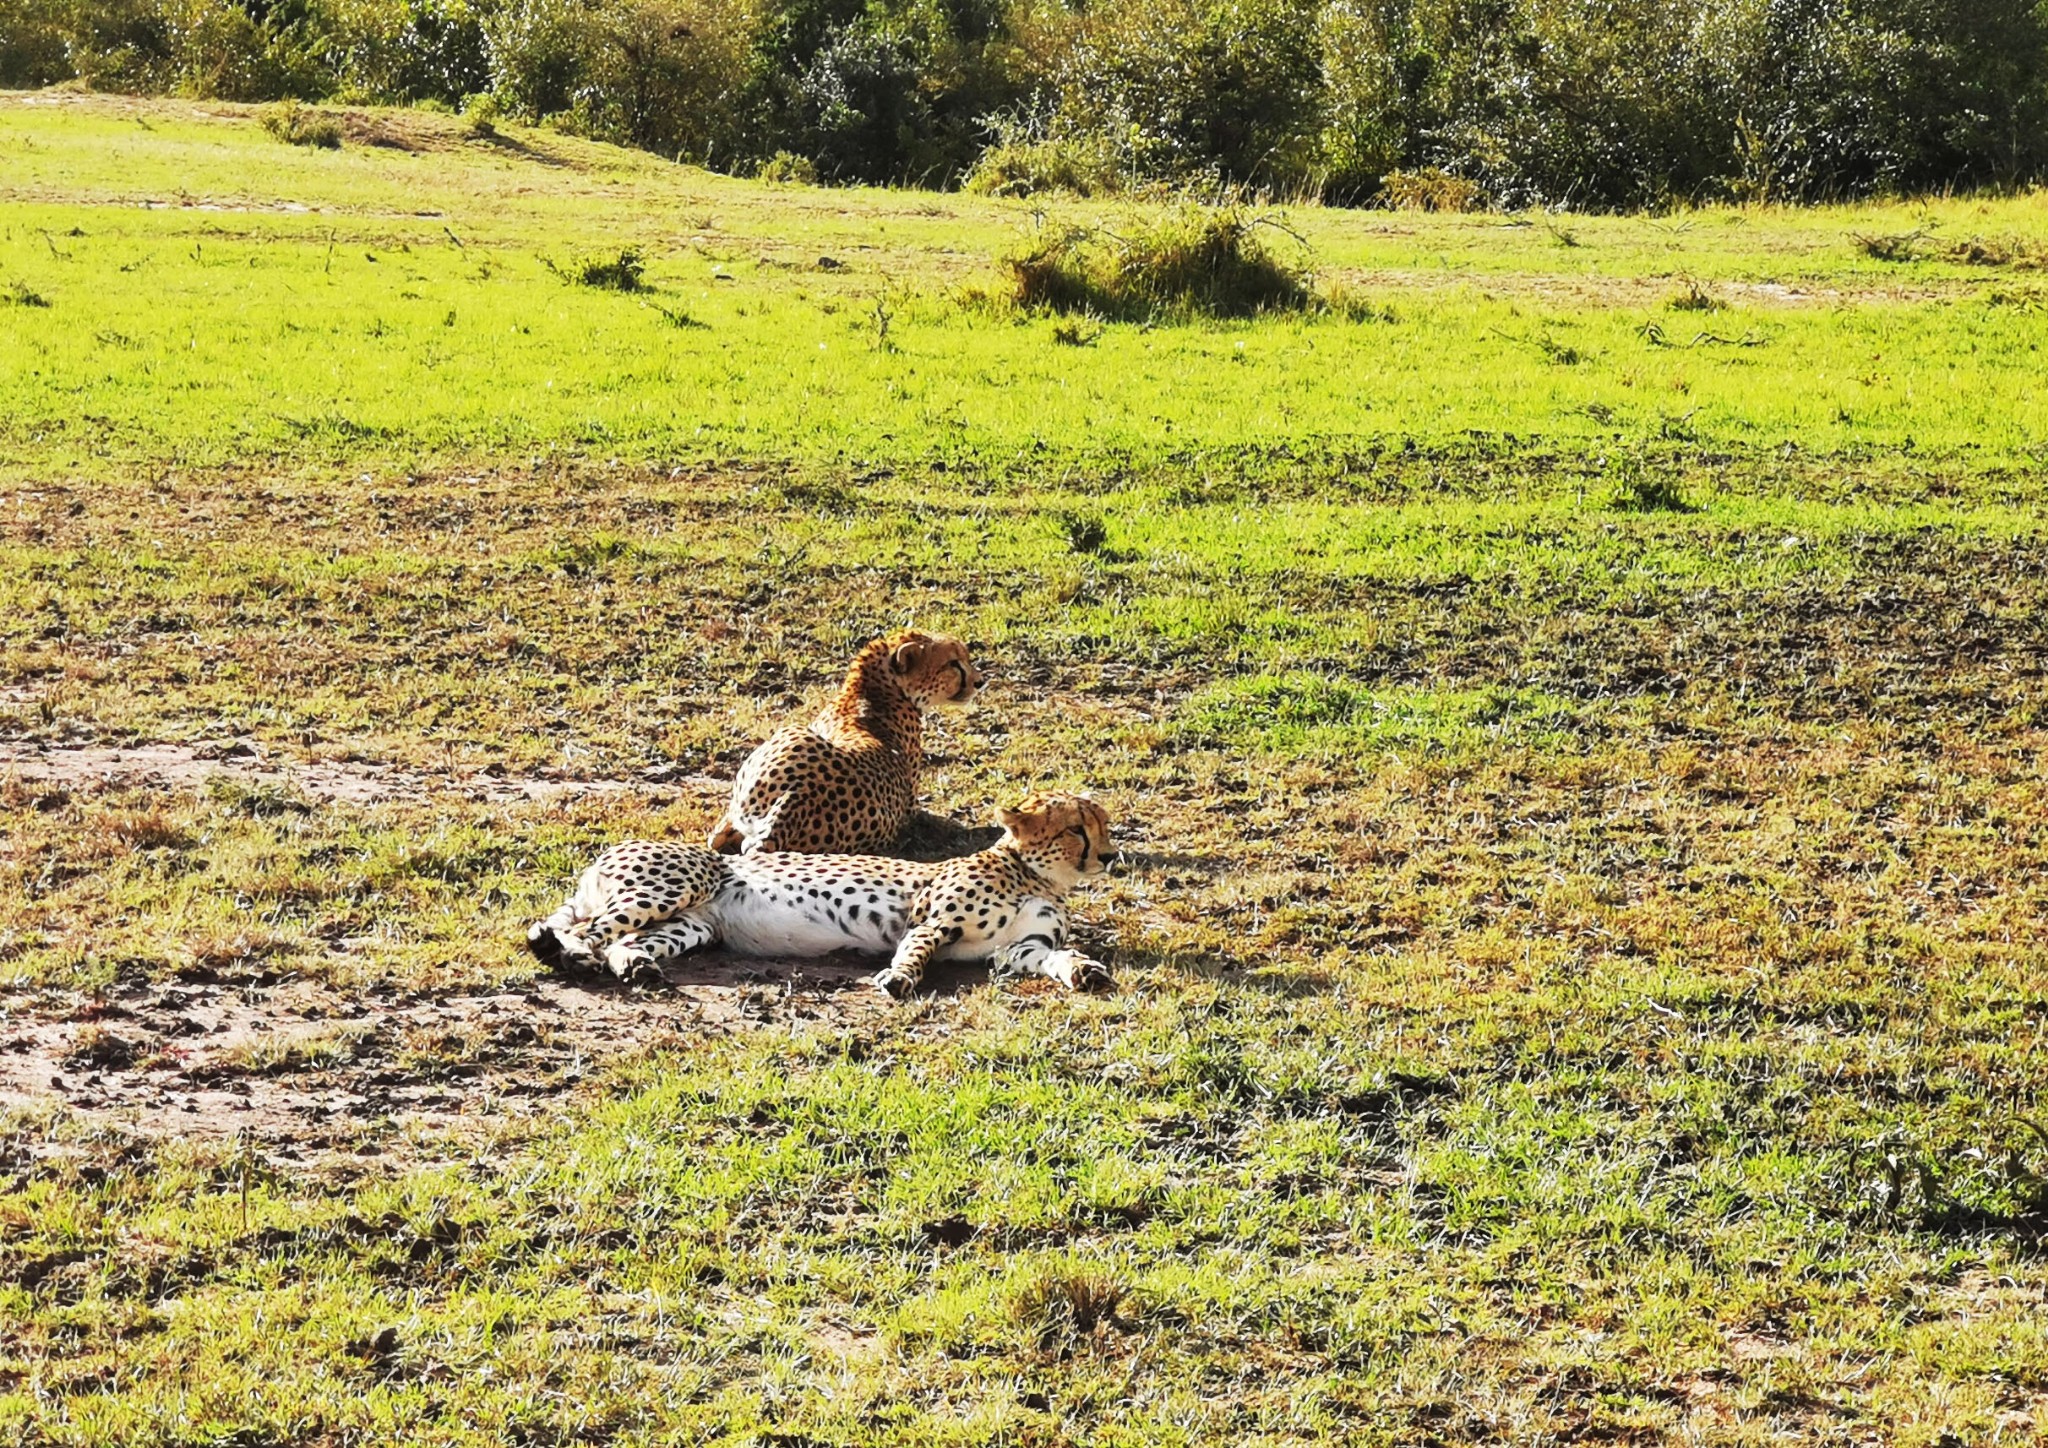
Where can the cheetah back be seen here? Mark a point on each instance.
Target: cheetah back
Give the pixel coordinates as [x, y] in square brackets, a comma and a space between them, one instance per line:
[832, 797]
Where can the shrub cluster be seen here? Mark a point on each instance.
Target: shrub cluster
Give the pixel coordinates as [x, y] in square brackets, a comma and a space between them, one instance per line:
[1214, 261]
[1441, 103]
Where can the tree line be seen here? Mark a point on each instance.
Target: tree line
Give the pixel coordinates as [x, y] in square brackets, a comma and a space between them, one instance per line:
[1448, 103]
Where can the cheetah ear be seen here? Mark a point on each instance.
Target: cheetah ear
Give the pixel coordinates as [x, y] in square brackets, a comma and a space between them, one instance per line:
[907, 656]
[1015, 817]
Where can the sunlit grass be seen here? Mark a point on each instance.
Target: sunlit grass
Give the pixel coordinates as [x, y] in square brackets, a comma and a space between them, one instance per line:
[1577, 947]
[396, 306]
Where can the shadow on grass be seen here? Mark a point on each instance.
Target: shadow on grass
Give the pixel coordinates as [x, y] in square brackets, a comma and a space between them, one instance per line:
[827, 975]
[525, 151]
[1243, 969]
[2024, 1233]
[930, 837]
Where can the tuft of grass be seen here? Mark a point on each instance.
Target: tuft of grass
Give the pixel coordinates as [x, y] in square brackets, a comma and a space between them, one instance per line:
[2022, 299]
[580, 556]
[20, 294]
[1084, 532]
[1200, 260]
[230, 950]
[1063, 1305]
[2007, 251]
[681, 320]
[95, 1048]
[256, 799]
[1350, 305]
[1897, 246]
[1641, 489]
[1695, 298]
[623, 271]
[1076, 332]
[146, 829]
[297, 124]
[276, 1055]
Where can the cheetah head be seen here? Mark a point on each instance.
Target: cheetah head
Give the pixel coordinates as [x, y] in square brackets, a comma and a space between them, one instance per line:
[1064, 836]
[933, 668]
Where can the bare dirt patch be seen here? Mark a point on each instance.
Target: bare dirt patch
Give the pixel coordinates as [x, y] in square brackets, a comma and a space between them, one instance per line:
[242, 1046]
[304, 1072]
[342, 782]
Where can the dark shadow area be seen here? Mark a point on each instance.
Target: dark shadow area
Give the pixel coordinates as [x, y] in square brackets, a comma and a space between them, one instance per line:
[932, 837]
[1136, 860]
[524, 150]
[1226, 967]
[823, 975]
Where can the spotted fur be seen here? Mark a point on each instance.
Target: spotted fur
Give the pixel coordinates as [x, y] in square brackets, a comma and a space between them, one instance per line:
[643, 903]
[847, 781]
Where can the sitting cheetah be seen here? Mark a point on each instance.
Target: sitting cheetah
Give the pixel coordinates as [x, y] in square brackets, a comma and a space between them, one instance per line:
[643, 903]
[848, 781]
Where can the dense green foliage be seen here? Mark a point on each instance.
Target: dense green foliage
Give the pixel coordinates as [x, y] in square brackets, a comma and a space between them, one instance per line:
[1593, 103]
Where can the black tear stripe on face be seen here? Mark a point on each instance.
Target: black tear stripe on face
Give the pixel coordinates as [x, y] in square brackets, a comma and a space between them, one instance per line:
[1086, 847]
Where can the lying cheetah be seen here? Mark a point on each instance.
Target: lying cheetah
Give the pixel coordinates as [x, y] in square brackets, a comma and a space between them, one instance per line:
[643, 903]
[848, 781]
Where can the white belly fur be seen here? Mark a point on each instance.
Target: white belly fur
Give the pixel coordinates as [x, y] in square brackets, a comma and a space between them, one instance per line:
[767, 917]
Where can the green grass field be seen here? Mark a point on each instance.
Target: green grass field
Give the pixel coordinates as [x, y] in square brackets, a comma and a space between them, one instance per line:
[1574, 707]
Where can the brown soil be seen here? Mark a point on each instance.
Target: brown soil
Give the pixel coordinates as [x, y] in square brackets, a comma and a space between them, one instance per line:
[183, 765]
[303, 1072]
[297, 1070]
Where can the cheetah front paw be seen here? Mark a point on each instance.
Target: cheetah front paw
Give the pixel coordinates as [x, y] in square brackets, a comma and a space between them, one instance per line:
[1077, 971]
[897, 982]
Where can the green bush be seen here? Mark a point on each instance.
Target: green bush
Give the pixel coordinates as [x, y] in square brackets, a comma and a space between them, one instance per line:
[298, 125]
[1198, 260]
[679, 77]
[1188, 89]
[33, 44]
[1430, 189]
[481, 114]
[1022, 162]
[399, 52]
[789, 168]
[1441, 103]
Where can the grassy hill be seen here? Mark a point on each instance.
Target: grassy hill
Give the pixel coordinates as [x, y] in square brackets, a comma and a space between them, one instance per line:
[1572, 702]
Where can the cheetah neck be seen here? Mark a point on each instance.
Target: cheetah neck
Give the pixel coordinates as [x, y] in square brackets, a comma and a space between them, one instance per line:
[873, 704]
[1044, 864]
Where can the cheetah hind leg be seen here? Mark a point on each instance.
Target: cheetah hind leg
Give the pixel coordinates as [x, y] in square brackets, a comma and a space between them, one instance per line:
[639, 956]
[554, 940]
